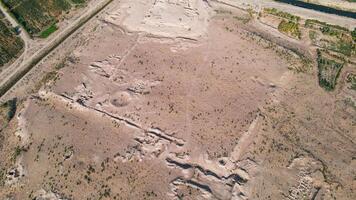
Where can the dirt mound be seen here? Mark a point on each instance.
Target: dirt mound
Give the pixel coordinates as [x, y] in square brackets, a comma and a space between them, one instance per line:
[167, 18]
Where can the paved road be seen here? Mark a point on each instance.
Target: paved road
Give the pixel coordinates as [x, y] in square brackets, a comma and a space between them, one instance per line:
[7, 81]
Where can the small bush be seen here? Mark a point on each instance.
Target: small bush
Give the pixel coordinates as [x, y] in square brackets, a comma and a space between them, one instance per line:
[17, 152]
[353, 33]
[288, 16]
[11, 106]
[351, 78]
[2, 177]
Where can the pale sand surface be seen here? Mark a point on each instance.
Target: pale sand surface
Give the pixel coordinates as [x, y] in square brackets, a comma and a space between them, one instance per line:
[190, 105]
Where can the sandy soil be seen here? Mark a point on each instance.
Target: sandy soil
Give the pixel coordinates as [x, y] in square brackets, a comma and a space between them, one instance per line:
[176, 18]
[148, 106]
[37, 48]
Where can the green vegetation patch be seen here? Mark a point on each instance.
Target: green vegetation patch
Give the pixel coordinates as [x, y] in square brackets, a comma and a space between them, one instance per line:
[78, 1]
[10, 108]
[312, 35]
[243, 19]
[324, 28]
[332, 37]
[36, 15]
[312, 23]
[7, 112]
[327, 30]
[291, 28]
[49, 31]
[350, 102]
[10, 44]
[50, 76]
[342, 46]
[17, 152]
[351, 79]
[353, 34]
[328, 71]
[285, 15]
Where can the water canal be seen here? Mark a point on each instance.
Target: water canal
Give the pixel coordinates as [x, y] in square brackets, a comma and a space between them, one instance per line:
[320, 8]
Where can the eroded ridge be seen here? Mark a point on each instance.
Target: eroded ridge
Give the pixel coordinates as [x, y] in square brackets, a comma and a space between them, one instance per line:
[155, 132]
[221, 179]
[211, 184]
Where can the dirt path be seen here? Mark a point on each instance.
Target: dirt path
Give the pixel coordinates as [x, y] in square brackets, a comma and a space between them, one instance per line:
[24, 36]
[14, 73]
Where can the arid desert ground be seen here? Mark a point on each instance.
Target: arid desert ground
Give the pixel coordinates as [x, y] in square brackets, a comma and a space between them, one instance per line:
[183, 99]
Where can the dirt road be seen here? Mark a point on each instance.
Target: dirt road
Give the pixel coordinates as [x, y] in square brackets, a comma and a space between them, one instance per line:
[23, 34]
[14, 73]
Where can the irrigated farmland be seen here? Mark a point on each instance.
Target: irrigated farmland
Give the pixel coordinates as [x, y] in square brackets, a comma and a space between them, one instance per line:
[39, 15]
[10, 44]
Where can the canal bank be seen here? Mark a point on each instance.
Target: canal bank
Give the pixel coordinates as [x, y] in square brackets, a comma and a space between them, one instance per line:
[304, 13]
[320, 8]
